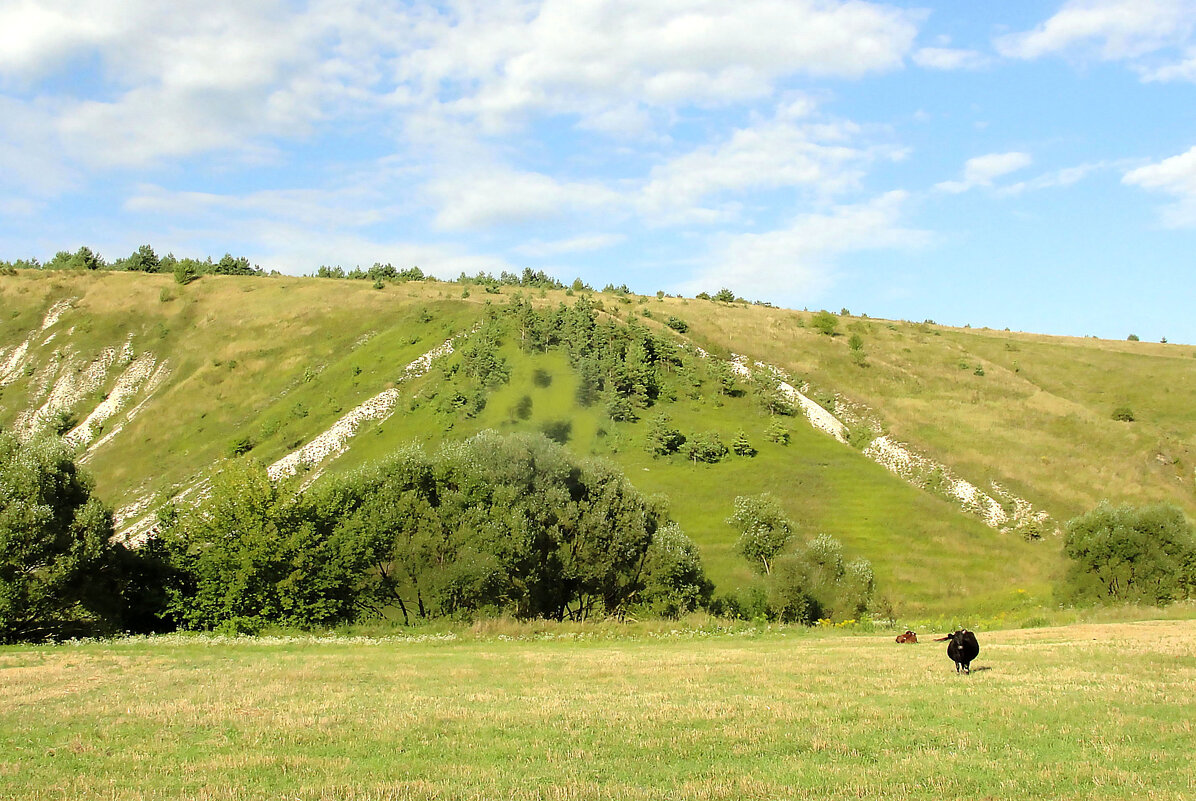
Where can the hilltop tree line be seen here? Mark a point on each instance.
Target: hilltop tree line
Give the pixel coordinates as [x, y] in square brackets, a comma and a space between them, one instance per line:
[143, 260]
[186, 269]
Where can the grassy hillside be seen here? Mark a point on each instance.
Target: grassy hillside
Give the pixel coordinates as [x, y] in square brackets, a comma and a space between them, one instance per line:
[268, 364]
[1039, 419]
[1076, 713]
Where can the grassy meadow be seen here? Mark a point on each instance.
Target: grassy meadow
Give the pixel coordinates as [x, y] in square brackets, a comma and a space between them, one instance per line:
[1080, 712]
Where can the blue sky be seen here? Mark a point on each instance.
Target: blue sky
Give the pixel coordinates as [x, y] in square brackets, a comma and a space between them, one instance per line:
[1029, 165]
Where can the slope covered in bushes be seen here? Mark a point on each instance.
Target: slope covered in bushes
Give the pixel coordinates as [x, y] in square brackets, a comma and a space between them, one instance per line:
[157, 383]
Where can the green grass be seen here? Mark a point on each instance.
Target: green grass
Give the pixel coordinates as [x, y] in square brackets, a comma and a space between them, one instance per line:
[1039, 420]
[276, 360]
[1084, 712]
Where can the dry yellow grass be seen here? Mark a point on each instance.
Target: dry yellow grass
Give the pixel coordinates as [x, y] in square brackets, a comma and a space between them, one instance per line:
[1081, 712]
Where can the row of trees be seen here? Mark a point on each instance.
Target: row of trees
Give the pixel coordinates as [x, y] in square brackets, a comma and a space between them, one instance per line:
[144, 260]
[495, 524]
[626, 367]
[378, 272]
[510, 524]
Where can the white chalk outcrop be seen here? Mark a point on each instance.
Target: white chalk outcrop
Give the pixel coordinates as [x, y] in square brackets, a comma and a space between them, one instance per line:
[55, 312]
[335, 440]
[150, 387]
[1001, 509]
[818, 417]
[130, 382]
[136, 526]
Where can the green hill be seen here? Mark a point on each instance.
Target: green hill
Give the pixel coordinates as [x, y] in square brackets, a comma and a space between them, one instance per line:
[156, 383]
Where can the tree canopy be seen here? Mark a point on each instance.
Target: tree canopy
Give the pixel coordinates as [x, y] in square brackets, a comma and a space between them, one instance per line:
[1140, 554]
[511, 524]
[54, 542]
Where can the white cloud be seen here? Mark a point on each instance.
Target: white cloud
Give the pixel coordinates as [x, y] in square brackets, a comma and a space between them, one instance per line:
[947, 58]
[503, 59]
[486, 196]
[1113, 29]
[166, 82]
[788, 151]
[191, 76]
[1066, 176]
[983, 170]
[36, 36]
[30, 162]
[345, 207]
[796, 262]
[1175, 176]
[577, 244]
[298, 249]
[1181, 71]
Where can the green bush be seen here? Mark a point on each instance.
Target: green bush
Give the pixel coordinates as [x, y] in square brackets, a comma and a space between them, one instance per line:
[1131, 554]
[1123, 414]
[55, 548]
[777, 432]
[705, 447]
[825, 323]
[239, 446]
[675, 580]
[185, 272]
[740, 446]
[814, 582]
[662, 437]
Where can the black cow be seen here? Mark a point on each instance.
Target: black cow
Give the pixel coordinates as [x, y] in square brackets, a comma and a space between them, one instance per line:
[962, 648]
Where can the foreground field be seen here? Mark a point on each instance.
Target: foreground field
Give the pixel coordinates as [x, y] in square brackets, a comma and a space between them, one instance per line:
[1084, 711]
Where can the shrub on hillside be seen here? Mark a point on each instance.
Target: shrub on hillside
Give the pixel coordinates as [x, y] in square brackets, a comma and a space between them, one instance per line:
[1131, 554]
[705, 447]
[741, 446]
[676, 582]
[662, 437]
[1123, 414]
[813, 582]
[764, 529]
[825, 323]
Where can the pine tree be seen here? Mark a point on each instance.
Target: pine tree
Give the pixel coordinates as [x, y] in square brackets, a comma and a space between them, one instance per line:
[776, 432]
[740, 445]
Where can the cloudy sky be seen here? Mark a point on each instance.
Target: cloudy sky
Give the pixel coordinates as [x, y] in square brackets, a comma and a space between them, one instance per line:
[1016, 164]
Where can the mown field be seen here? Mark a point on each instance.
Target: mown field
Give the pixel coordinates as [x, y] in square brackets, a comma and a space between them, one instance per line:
[1079, 712]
